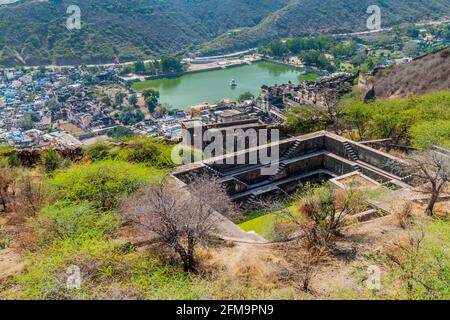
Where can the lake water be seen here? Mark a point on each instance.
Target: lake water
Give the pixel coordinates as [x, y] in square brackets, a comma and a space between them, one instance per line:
[213, 86]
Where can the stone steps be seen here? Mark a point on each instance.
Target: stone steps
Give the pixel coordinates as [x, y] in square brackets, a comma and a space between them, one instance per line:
[350, 152]
[279, 170]
[251, 199]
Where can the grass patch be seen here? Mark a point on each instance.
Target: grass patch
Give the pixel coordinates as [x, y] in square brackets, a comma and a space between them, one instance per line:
[102, 184]
[309, 77]
[263, 223]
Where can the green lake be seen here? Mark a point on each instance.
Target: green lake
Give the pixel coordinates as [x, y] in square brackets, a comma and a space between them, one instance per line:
[213, 86]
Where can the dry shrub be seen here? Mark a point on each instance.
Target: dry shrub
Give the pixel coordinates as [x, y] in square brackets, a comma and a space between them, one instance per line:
[304, 260]
[29, 196]
[240, 271]
[403, 214]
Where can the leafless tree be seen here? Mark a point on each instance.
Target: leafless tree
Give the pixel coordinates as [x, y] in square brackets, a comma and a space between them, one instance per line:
[430, 171]
[29, 193]
[333, 112]
[181, 216]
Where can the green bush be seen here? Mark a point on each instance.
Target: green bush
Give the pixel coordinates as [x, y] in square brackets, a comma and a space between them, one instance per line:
[98, 152]
[8, 156]
[420, 270]
[429, 133]
[51, 160]
[102, 184]
[397, 118]
[149, 151]
[121, 132]
[64, 220]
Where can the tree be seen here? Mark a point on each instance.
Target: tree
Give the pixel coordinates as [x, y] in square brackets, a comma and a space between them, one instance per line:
[26, 122]
[180, 218]
[171, 64]
[130, 116]
[118, 100]
[102, 184]
[418, 266]
[51, 160]
[98, 152]
[411, 49]
[53, 105]
[278, 49]
[413, 32]
[163, 109]
[345, 49]
[106, 100]
[430, 170]
[29, 192]
[246, 96]
[133, 100]
[333, 111]
[322, 211]
[358, 114]
[120, 132]
[302, 119]
[151, 97]
[139, 67]
[315, 58]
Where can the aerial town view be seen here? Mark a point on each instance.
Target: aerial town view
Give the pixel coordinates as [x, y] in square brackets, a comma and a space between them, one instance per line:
[224, 151]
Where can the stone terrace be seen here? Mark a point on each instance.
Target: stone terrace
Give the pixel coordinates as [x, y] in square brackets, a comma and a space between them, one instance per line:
[314, 157]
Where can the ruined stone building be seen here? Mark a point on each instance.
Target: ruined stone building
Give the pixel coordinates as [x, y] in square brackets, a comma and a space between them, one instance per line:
[313, 94]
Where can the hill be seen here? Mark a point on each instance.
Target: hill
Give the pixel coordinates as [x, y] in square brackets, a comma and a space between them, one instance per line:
[422, 75]
[34, 32]
[306, 17]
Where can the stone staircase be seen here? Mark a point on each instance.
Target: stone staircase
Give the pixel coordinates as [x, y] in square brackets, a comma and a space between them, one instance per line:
[351, 154]
[214, 171]
[246, 205]
[291, 150]
[280, 169]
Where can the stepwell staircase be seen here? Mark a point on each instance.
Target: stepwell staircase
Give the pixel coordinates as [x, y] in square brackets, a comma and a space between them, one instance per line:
[280, 169]
[291, 150]
[251, 199]
[214, 171]
[351, 154]
[286, 155]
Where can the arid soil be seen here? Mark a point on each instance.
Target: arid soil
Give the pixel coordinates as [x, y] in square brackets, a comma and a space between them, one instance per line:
[421, 76]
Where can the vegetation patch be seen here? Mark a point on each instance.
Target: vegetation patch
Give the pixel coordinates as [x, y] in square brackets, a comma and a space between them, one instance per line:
[102, 184]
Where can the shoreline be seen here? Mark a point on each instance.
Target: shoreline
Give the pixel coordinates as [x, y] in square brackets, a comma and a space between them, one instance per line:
[187, 72]
[217, 68]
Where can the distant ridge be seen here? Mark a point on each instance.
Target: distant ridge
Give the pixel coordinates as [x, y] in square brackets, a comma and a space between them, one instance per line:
[34, 32]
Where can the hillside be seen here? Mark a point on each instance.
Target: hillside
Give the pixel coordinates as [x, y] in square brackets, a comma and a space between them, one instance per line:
[422, 75]
[33, 32]
[305, 17]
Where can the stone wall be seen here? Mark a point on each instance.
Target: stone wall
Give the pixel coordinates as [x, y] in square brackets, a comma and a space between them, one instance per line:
[335, 146]
[336, 165]
[378, 159]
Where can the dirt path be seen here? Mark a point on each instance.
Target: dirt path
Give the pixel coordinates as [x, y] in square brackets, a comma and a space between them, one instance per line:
[10, 262]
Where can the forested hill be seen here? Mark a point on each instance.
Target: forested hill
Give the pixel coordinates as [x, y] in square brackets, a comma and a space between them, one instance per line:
[305, 17]
[33, 32]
